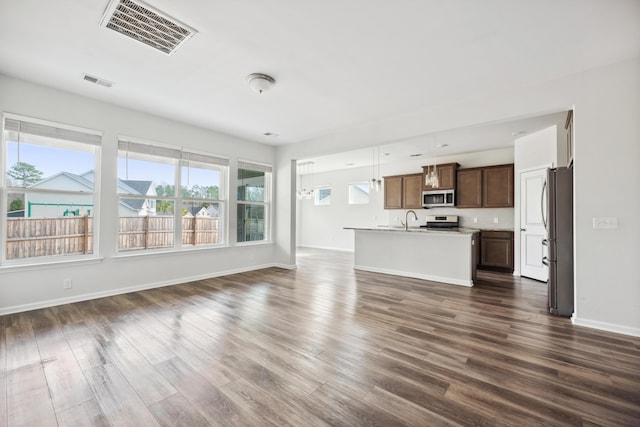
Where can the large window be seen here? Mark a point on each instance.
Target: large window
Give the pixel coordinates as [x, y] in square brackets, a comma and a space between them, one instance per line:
[254, 196]
[48, 188]
[169, 198]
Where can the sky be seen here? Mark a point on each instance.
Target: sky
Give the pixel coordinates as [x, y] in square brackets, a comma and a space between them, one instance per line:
[52, 160]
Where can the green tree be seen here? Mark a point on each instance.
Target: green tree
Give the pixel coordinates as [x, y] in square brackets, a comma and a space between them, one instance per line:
[165, 190]
[165, 206]
[16, 205]
[25, 173]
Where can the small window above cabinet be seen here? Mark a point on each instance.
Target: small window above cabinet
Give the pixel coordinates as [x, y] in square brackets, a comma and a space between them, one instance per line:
[446, 176]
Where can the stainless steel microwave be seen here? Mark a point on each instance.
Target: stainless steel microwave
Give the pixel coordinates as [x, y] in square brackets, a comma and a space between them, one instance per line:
[438, 198]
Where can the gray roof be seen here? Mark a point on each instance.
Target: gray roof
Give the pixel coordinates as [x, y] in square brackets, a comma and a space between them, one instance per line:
[140, 187]
[83, 181]
[127, 186]
[134, 204]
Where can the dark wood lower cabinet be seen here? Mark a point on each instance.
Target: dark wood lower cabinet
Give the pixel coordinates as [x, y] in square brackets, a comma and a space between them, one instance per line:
[496, 250]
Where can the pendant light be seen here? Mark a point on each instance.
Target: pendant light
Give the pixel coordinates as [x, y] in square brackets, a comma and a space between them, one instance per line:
[376, 183]
[431, 177]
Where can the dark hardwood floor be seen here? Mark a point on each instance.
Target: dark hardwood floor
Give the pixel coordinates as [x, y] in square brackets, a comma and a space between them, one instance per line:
[321, 345]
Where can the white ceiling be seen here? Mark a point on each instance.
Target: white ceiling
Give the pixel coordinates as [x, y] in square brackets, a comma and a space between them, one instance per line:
[338, 64]
[428, 148]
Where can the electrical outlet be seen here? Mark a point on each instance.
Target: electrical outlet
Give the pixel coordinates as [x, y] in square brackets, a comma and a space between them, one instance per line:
[67, 284]
[496, 220]
[475, 219]
[605, 223]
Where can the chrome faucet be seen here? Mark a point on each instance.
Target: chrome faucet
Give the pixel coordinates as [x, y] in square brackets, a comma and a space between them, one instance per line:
[406, 219]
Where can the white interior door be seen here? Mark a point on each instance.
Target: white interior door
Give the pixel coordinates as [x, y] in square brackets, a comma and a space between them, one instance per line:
[532, 230]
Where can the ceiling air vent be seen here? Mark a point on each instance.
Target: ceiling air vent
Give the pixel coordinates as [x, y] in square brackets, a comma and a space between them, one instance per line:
[97, 80]
[145, 24]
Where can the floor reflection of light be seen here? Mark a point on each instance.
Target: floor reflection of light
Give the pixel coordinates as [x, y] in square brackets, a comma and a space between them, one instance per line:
[255, 302]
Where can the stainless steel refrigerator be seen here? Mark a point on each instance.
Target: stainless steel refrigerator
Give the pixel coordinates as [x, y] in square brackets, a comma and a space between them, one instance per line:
[558, 220]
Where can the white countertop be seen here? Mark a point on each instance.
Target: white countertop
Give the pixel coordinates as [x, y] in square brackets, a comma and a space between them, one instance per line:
[401, 229]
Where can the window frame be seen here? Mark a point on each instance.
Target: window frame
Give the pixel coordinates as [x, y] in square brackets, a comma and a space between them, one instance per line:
[316, 195]
[60, 129]
[178, 157]
[354, 184]
[266, 203]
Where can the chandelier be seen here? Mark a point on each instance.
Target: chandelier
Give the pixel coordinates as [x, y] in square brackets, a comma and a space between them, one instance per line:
[303, 169]
[431, 177]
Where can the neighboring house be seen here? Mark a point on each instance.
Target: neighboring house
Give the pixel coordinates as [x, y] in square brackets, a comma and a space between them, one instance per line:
[201, 212]
[143, 207]
[51, 205]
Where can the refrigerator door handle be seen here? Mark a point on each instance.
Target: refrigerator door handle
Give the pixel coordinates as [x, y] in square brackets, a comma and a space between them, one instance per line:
[542, 195]
[545, 261]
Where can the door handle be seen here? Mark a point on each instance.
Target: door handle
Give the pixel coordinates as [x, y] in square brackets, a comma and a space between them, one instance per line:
[544, 187]
[545, 261]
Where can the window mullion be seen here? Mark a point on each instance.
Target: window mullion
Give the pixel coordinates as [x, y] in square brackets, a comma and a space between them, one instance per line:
[179, 205]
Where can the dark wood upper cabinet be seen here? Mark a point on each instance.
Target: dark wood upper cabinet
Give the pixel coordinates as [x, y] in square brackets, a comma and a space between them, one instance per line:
[497, 186]
[446, 175]
[393, 192]
[469, 189]
[403, 191]
[412, 191]
[486, 187]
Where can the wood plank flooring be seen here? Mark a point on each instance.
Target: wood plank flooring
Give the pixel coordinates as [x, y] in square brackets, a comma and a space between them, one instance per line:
[320, 345]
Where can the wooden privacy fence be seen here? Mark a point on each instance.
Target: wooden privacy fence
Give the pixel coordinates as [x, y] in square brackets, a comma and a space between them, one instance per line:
[33, 237]
[147, 232]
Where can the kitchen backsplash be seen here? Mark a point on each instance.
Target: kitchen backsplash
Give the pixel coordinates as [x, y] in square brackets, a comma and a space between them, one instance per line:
[486, 218]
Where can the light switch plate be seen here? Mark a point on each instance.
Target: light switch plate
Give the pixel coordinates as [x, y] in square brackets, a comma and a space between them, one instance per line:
[605, 223]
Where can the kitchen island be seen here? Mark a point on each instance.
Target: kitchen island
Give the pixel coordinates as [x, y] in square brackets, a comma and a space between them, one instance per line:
[447, 256]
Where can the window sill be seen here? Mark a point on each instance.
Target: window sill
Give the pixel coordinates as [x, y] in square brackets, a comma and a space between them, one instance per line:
[148, 253]
[49, 264]
[255, 243]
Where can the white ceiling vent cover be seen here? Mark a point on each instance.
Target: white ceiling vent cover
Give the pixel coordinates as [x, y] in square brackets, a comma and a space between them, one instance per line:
[97, 80]
[145, 24]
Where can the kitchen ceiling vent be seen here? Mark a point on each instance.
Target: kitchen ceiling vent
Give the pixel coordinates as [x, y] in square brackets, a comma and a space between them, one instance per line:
[145, 24]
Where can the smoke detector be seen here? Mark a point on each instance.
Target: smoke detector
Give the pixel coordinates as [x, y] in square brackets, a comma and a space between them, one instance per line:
[147, 25]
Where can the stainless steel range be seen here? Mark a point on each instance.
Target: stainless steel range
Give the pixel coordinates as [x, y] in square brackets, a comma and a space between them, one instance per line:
[441, 222]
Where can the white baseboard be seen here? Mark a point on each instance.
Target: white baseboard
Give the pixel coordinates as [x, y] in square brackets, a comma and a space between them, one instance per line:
[448, 280]
[327, 248]
[120, 291]
[285, 266]
[609, 327]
